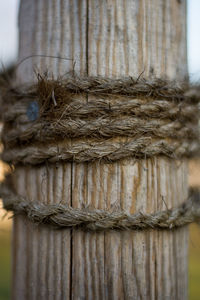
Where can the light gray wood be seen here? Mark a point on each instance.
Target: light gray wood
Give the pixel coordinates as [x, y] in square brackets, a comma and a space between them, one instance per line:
[111, 38]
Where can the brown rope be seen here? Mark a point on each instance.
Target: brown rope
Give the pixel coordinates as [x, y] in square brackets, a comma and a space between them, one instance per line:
[123, 118]
[62, 216]
[75, 108]
[110, 150]
[126, 126]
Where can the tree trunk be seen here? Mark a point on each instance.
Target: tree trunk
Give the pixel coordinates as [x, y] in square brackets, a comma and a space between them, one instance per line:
[111, 38]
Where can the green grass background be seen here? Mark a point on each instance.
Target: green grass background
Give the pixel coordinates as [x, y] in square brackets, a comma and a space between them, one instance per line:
[194, 263]
[5, 263]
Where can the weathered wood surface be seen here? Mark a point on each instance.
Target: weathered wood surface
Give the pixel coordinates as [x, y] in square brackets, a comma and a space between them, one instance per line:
[111, 38]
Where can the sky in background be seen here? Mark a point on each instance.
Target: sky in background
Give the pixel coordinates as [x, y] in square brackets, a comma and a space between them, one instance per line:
[193, 38]
[9, 35]
[8, 31]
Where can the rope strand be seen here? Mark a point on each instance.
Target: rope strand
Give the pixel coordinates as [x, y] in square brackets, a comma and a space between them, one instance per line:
[63, 216]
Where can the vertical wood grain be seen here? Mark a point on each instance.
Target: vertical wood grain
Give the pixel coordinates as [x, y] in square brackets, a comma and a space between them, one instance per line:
[109, 38]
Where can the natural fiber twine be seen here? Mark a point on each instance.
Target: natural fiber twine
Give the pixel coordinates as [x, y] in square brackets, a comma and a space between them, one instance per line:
[62, 216]
[94, 118]
[107, 150]
[89, 118]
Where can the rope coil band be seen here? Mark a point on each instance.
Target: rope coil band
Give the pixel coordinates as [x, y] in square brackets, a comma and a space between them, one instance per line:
[63, 216]
[94, 118]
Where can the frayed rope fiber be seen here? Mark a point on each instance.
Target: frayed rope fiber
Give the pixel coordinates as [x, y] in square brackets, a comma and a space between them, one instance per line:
[62, 216]
[84, 119]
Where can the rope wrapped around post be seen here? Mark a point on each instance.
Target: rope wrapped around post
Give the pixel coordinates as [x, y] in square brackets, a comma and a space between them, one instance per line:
[62, 216]
[50, 121]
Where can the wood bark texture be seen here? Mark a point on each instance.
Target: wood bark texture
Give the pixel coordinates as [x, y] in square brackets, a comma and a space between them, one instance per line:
[109, 38]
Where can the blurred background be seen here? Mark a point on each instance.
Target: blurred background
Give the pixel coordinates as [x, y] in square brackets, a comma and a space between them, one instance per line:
[8, 55]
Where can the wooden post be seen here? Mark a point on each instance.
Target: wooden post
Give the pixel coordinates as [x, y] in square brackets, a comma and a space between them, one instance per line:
[110, 38]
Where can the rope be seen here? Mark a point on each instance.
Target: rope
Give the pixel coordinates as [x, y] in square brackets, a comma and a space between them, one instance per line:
[63, 216]
[51, 120]
[110, 150]
[82, 119]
